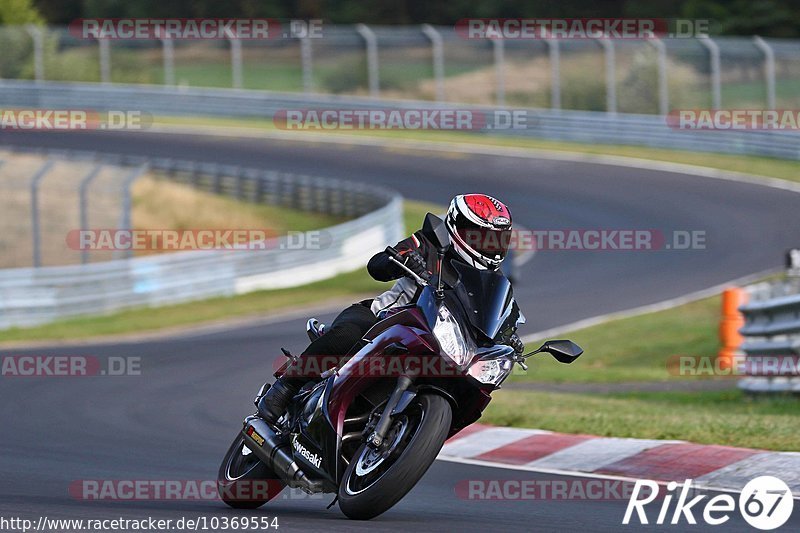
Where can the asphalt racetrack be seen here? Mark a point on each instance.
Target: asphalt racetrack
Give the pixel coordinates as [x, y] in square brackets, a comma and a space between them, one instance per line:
[175, 421]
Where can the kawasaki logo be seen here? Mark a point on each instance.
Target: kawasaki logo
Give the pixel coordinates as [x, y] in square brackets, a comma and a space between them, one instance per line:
[312, 458]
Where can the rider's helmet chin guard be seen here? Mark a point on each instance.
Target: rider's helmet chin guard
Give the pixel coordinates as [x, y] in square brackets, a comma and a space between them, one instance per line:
[480, 229]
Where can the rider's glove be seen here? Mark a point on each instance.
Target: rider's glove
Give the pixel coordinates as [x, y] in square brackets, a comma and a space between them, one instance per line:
[416, 263]
[516, 343]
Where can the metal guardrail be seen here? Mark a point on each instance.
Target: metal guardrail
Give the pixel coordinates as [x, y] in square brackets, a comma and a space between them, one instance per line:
[772, 330]
[575, 126]
[31, 296]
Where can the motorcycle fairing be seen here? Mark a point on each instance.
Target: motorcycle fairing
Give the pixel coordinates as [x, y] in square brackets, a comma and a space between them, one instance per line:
[322, 432]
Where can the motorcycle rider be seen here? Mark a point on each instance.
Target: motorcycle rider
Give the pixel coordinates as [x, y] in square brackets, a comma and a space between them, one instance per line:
[479, 227]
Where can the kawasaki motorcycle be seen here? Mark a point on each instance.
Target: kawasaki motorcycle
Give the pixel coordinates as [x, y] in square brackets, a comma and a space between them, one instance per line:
[369, 436]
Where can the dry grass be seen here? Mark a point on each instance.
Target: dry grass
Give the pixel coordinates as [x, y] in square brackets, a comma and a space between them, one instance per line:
[157, 204]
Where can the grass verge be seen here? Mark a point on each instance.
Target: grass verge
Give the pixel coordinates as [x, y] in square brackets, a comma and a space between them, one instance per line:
[634, 349]
[203, 311]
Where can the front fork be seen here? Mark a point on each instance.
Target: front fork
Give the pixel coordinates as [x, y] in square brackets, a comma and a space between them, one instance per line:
[378, 435]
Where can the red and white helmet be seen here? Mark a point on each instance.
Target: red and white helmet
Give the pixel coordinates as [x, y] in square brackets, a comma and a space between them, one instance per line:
[480, 229]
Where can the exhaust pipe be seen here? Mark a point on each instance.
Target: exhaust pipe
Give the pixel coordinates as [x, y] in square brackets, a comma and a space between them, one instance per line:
[277, 455]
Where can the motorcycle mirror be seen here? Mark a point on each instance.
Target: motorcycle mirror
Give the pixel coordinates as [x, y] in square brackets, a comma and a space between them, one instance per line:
[436, 227]
[563, 351]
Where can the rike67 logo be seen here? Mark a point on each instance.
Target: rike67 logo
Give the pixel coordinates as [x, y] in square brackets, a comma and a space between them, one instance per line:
[765, 503]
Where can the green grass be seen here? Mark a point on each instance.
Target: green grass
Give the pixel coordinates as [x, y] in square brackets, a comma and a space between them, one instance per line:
[762, 166]
[727, 417]
[262, 303]
[638, 349]
[750, 94]
[635, 348]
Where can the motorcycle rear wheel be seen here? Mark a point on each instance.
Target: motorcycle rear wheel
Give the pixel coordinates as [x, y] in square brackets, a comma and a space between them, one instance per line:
[375, 480]
[243, 481]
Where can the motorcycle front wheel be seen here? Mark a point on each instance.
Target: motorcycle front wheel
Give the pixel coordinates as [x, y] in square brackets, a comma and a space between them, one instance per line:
[376, 479]
[243, 481]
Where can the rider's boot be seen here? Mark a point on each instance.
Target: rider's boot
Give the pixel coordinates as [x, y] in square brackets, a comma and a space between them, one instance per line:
[273, 404]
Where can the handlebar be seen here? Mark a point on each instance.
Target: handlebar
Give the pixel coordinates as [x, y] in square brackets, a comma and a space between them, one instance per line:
[395, 256]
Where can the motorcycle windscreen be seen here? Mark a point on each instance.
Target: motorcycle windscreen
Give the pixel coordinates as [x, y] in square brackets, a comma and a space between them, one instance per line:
[487, 298]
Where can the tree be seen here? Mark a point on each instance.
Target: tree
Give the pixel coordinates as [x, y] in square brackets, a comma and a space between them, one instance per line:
[17, 12]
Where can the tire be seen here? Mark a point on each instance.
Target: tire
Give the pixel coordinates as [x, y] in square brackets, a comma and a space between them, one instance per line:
[366, 495]
[244, 482]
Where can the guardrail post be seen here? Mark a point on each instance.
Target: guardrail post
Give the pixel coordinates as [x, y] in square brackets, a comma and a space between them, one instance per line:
[555, 73]
[239, 187]
[500, 70]
[307, 60]
[84, 204]
[168, 50]
[125, 217]
[663, 87]
[716, 88]
[769, 69]
[611, 73]
[437, 52]
[373, 72]
[216, 180]
[105, 60]
[37, 35]
[236, 59]
[35, 230]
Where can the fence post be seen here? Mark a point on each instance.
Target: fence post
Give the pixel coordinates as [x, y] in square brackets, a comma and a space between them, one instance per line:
[611, 71]
[372, 58]
[716, 88]
[307, 59]
[236, 59]
[84, 204]
[168, 50]
[437, 52]
[663, 88]
[37, 35]
[105, 60]
[125, 216]
[555, 73]
[35, 232]
[769, 67]
[500, 70]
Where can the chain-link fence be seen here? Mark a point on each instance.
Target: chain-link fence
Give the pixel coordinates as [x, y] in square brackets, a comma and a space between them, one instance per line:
[42, 199]
[423, 62]
[45, 198]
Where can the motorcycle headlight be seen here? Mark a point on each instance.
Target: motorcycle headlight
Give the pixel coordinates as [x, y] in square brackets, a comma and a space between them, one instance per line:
[451, 338]
[491, 371]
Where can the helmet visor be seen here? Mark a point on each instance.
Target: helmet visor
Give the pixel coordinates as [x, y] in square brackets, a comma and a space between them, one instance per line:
[490, 243]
